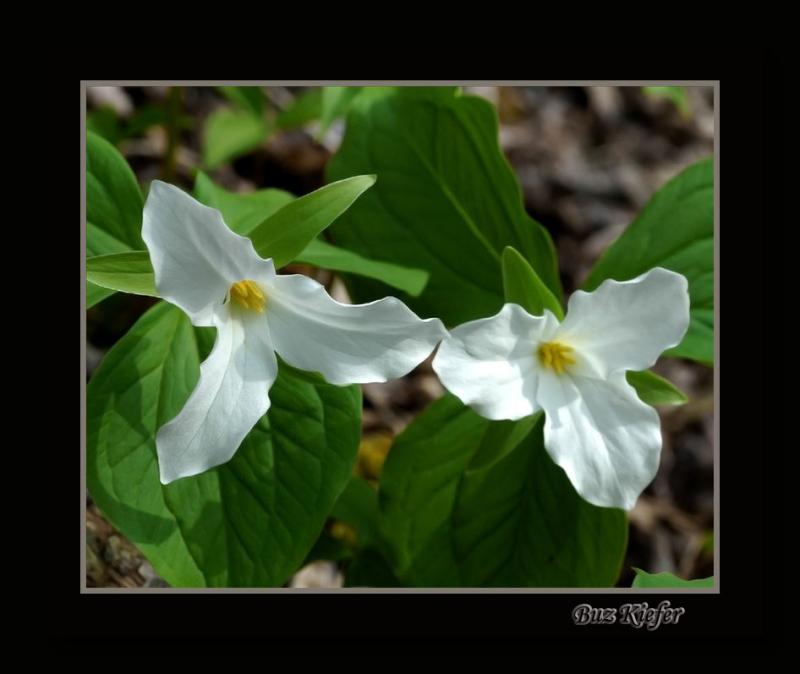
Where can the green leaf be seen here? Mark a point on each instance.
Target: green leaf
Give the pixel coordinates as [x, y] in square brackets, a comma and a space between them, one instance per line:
[334, 104]
[287, 232]
[99, 243]
[675, 230]
[242, 211]
[470, 502]
[358, 507]
[114, 207]
[303, 110]
[95, 294]
[654, 389]
[129, 272]
[522, 285]
[114, 201]
[447, 201]
[247, 523]
[675, 94]
[247, 98]
[666, 579]
[230, 133]
[104, 122]
[325, 255]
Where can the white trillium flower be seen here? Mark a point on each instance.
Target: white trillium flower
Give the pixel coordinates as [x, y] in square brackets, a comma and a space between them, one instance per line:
[596, 428]
[218, 279]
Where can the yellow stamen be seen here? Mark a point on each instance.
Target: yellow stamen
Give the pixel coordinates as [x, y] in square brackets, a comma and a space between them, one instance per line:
[556, 356]
[248, 295]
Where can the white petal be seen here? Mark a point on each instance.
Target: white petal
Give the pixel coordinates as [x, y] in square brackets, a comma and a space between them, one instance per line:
[491, 365]
[230, 397]
[627, 325]
[195, 256]
[346, 343]
[607, 440]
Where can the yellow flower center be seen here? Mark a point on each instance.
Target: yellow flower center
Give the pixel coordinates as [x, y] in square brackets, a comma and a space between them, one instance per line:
[556, 356]
[248, 295]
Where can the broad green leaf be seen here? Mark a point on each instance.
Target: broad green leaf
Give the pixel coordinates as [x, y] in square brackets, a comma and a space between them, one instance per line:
[675, 230]
[654, 389]
[675, 94]
[231, 132]
[95, 294]
[113, 199]
[470, 502]
[100, 242]
[129, 272]
[104, 122]
[325, 255]
[447, 201]
[286, 233]
[305, 108]
[241, 211]
[334, 104]
[358, 507]
[522, 285]
[113, 207]
[247, 98]
[666, 579]
[247, 523]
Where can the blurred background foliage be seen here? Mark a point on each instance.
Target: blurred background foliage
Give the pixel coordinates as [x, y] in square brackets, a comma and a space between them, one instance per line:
[587, 158]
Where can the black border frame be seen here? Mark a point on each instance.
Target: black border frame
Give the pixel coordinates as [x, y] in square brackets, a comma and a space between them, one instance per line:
[736, 615]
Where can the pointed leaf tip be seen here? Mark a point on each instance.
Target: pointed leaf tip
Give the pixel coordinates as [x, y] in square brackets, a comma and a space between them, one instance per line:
[523, 286]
